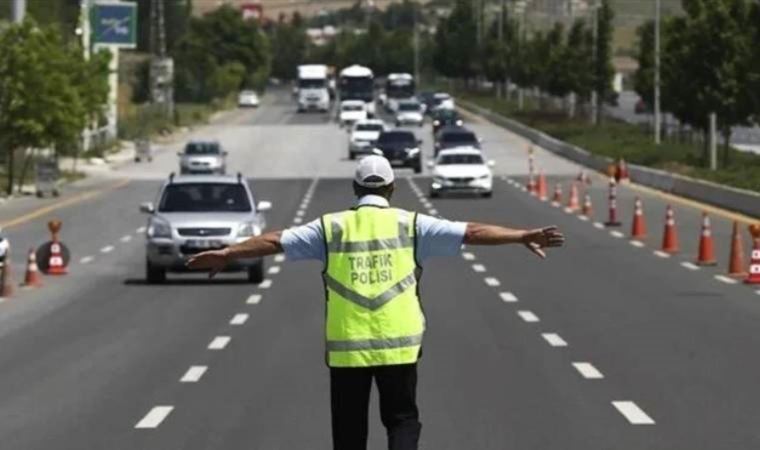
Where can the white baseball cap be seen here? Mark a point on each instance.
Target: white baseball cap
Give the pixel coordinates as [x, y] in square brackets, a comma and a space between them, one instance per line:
[374, 171]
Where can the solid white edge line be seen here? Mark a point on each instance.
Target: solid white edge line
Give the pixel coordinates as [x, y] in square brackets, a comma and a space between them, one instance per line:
[253, 299]
[219, 343]
[155, 416]
[661, 254]
[478, 267]
[638, 244]
[279, 258]
[554, 339]
[689, 265]
[239, 319]
[274, 270]
[266, 284]
[508, 297]
[588, 371]
[86, 259]
[632, 413]
[528, 316]
[725, 279]
[491, 281]
[107, 249]
[193, 374]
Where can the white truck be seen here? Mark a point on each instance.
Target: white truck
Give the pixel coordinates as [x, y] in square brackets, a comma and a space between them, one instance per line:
[358, 83]
[313, 93]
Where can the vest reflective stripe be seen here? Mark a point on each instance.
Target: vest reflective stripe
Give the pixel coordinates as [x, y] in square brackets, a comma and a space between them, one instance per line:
[371, 303]
[374, 344]
[373, 312]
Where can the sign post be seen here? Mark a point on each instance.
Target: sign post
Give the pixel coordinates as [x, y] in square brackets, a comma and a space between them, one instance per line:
[114, 26]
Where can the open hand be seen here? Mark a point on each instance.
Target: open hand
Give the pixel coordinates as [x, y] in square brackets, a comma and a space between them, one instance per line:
[541, 238]
[213, 260]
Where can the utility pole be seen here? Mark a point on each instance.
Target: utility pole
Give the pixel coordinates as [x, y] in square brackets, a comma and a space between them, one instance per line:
[595, 32]
[19, 11]
[162, 67]
[416, 50]
[657, 118]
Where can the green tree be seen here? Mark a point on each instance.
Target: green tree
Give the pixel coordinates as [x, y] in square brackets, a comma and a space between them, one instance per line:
[577, 56]
[456, 54]
[643, 79]
[602, 67]
[289, 43]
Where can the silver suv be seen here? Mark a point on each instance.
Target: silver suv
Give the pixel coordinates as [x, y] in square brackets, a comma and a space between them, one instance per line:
[205, 157]
[198, 213]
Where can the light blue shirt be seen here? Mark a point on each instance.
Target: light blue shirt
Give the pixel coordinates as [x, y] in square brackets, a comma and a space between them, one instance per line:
[435, 237]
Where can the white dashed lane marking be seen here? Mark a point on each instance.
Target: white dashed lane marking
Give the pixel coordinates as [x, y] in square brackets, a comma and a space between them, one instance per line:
[637, 244]
[86, 260]
[689, 265]
[661, 254]
[508, 297]
[634, 414]
[433, 212]
[528, 316]
[279, 258]
[588, 371]
[154, 417]
[478, 267]
[254, 299]
[126, 238]
[725, 279]
[193, 374]
[616, 234]
[468, 256]
[583, 218]
[300, 213]
[140, 230]
[219, 342]
[554, 339]
[274, 270]
[266, 284]
[297, 220]
[239, 319]
[493, 282]
[599, 225]
[107, 249]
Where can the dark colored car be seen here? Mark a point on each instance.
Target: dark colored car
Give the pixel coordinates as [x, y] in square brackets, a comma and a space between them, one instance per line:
[426, 98]
[453, 136]
[444, 118]
[401, 148]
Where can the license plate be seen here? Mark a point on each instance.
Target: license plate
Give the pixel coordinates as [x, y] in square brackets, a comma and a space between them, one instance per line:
[204, 243]
[397, 161]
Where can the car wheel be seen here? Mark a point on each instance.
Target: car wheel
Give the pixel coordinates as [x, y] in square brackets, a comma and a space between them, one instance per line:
[487, 194]
[153, 274]
[256, 273]
[434, 194]
[418, 168]
[351, 156]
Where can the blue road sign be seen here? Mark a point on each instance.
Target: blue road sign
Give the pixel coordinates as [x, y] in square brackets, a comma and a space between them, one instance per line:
[115, 23]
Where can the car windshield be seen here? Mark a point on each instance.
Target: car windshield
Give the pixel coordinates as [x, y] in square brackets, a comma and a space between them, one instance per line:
[460, 159]
[312, 83]
[248, 93]
[204, 197]
[369, 127]
[388, 138]
[459, 138]
[440, 98]
[409, 107]
[202, 148]
[352, 107]
[446, 114]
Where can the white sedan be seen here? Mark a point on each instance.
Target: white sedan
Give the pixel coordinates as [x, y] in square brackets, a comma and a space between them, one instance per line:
[409, 112]
[364, 133]
[351, 111]
[461, 170]
[248, 99]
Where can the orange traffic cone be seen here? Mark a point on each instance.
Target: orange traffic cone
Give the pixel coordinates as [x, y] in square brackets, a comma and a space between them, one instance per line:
[621, 172]
[639, 227]
[531, 186]
[557, 199]
[55, 264]
[612, 221]
[736, 266]
[572, 201]
[542, 189]
[32, 277]
[587, 210]
[706, 255]
[670, 237]
[754, 263]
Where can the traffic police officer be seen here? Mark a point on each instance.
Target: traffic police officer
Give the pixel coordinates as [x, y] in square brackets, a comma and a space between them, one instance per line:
[372, 256]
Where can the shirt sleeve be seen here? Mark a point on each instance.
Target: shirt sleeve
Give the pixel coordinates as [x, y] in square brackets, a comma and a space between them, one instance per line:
[305, 242]
[438, 237]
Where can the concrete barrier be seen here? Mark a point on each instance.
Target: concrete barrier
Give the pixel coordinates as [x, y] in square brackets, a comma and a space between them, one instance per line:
[741, 200]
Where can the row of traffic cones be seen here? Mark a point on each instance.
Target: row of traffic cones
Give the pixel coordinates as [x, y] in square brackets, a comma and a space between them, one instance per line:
[706, 255]
[55, 265]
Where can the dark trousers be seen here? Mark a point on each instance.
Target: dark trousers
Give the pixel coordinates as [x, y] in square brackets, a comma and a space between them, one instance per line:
[349, 394]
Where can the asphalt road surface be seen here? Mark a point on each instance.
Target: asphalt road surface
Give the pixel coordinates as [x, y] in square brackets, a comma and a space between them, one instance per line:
[604, 345]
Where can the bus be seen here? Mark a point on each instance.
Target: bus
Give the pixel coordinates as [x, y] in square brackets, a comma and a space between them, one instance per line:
[358, 83]
[398, 86]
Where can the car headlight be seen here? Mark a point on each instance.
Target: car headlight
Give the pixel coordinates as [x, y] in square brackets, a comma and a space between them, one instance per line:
[436, 123]
[412, 151]
[249, 229]
[439, 179]
[159, 228]
[459, 123]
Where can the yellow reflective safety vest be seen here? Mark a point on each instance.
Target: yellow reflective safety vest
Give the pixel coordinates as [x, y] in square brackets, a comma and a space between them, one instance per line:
[374, 317]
